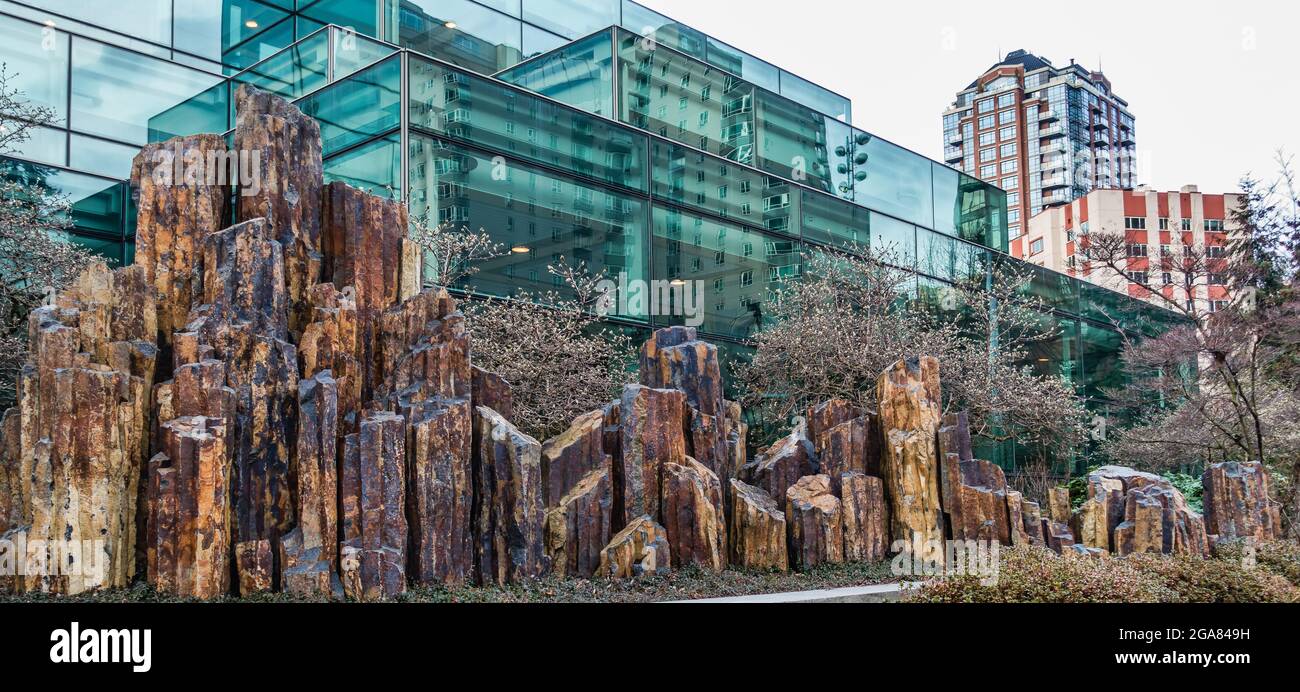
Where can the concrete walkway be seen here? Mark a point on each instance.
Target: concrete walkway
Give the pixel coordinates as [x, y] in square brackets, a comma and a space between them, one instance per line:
[876, 593]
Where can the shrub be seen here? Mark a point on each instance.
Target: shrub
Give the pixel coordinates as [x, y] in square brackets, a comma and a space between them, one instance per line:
[1198, 580]
[1280, 557]
[1037, 575]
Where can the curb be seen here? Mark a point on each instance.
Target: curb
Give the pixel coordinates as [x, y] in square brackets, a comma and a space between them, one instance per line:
[876, 593]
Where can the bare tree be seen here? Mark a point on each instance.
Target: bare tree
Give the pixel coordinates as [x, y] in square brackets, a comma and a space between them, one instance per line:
[451, 253]
[849, 316]
[36, 258]
[557, 352]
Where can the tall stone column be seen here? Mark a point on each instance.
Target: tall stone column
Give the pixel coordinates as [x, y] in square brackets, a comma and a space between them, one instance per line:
[910, 405]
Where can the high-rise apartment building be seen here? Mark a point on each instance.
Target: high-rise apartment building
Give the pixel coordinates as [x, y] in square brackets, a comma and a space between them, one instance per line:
[1045, 134]
[1158, 229]
[594, 130]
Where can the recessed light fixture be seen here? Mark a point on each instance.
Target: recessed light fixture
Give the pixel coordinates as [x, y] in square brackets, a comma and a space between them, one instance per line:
[49, 22]
[677, 282]
[521, 249]
[252, 24]
[1044, 360]
[449, 24]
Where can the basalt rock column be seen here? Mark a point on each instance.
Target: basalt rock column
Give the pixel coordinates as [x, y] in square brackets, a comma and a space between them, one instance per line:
[578, 527]
[82, 430]
[783, 464]
[493, 391]
[866, 524]
[1058, 504]
[181, 189]
[330, 342]
[509, 510]
[11, 482]
[283, 149]
[674, 358]
[1033, 518]
[640, 548]
[309, 553]
[758, 529]
[1237, 503]
[692, 510]
[815, 523]
[651, 421]
[188, 541]
[373, 553]
[909, 398]
[568, 457]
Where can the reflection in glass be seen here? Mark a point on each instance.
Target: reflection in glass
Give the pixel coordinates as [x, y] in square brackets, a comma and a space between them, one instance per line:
[461, 32]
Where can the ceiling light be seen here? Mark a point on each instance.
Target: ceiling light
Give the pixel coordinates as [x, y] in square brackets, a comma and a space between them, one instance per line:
[449, 24]
[252, 24]
[521, 249]
[49, 22]
[677, 282]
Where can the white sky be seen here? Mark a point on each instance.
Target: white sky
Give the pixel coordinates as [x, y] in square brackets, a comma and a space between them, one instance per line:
[1213, 84]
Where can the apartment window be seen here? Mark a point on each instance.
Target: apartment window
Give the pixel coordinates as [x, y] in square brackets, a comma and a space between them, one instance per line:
[1013, 199]
[1007, 99]
[1217, 305]
[1139, 278]
[1006, 117]
[1187, 224]
[986, 105]
[1214, 224]
[986, 122]
[1137, 250]
[1013, 215]
[1167, 278]
[1036, 246]
[1010, 166]
[1013, 231]
[1135, 223]
[1011, 183]
[1164, 223]
[1164, 251]
[1214, 279]
[989, 171]
[1083, 228]
[986, 138]
[1007, 133]
[989, 154]
[1008, 149]
[1216, 251]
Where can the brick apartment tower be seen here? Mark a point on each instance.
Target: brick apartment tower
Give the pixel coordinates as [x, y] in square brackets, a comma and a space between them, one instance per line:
[1155, 225]
[1047, 135]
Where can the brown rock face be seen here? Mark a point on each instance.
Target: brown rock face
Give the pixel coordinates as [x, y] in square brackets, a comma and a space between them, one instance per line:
[310, 552]
[1016, 518]
[509, 506]
[783, 464]
[651, 421]
[1058, 505]
[188, 539]
[331, 342]
[1237, 503]
[979, 508]
[692, 509]
[1033, 520]
[254, 565]
[374, 509]
[178, 205]
[866, 522]
[82, 431]
[830, 414]
[815, 523]
[440, 498]
[578, 527]
[640, 548]
[362, 238]
[284, 151]
[1059, 536]
[909, 399]
[758, 530]
[426, 351]
[737, 434]
[1128, 510]
[491, 390]
[674, 358]
[11, 482]
[570, 456]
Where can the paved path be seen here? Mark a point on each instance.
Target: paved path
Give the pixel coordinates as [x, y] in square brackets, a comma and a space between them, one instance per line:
[875, 593]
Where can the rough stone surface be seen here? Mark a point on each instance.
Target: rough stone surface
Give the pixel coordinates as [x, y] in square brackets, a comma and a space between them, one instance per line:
[178, 205]
[331, 341]
[374, 508]
[640, 548]
[652, 424]
[1032, 515]
[909, 397]
[1058, 504]
[815, 523]
[254, 565]
[310, 552]
[1237, 503]
[573, 454]
[1059, 537]
[286, 148]
[782, 465]
[866, 520]
[509, 514]
[578, 527]
[188, 537]
[758, 530]
[1131, 511]
[692, 510]
[1016, 518]
[493, 391]
[440, 500]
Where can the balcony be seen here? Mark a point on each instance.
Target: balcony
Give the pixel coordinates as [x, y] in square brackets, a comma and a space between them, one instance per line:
[1126, 136]
[1056, 198]
[952, 155]
[1058, 163]
[1100, 126]
[1055, 181]
[1047, 114]
[954, 137]
[1053, 131]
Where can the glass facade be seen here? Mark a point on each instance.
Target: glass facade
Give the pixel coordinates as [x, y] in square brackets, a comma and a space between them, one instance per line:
[653, 153]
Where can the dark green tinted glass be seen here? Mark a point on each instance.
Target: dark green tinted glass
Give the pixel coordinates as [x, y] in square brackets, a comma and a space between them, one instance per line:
[358, 107]
[718, 186]
[374, 167]
[580, 75]
[461, 32]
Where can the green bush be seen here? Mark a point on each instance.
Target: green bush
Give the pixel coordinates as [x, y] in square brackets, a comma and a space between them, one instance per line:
[1037, 575]
[1278, 557]
[1199, 580]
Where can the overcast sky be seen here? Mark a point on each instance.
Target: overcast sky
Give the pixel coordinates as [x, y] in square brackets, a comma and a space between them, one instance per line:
[1214, 84]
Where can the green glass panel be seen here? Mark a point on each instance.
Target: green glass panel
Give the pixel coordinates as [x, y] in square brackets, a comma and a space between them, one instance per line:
[97, 204]
[510, 7]
[1057, 291]
[1101, 359]
[456, 103]
[353, 51]
[537, 217]
[43, 145]
[36, 64]
[950, 259]
[208, 111]
[104, 158]
[891, 179]
[649, 24]
[729, 272]
[537, 41]
[572, 18]
[834, 222]
[818, 98]
[114, 251]
[359, 107]
[375, 167]
[211, 28]
[803, 145]
[294, 71]
[362, 16]
[689, 177]
[115, 91]
[148, 20]
[262, 45]
[461, 32]
[894, 241]
[1057, 356]
[969, 208]
[1106, 306]
[685, 100]
[579, 74]
[738, 62]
